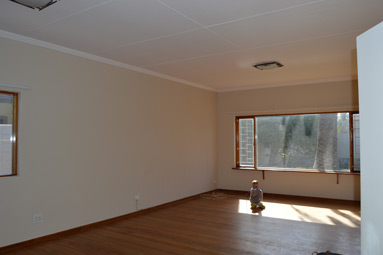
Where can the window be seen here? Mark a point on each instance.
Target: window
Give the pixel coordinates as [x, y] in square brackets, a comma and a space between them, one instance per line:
[8, 133]
[321, 142]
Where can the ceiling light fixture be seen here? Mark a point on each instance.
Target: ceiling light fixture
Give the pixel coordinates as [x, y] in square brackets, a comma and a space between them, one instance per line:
[268, 65]
[35, 4]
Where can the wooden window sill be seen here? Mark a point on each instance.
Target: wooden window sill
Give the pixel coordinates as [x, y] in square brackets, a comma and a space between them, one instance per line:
[9, 175]
[289, 170]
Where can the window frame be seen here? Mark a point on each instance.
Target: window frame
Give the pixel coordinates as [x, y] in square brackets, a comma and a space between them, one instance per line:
[14, 132]
[254, 117]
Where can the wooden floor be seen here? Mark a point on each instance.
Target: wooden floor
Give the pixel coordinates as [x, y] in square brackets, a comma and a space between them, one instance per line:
[221, 224]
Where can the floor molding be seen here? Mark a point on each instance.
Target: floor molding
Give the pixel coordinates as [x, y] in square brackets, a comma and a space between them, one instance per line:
[267, 196]
[9, 248]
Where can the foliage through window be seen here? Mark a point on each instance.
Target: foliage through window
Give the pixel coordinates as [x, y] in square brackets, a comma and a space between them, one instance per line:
[8, 133]
[324, 142]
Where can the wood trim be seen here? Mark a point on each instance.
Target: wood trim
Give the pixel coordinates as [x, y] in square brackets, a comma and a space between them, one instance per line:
[282, 170]
[15, 133]
[279, 170]
[285, 114]
[9, 175]
[237, 141]
[12, 247]
[8, 92]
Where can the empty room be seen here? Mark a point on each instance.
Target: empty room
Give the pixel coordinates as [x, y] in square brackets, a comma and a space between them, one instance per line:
[191, 127]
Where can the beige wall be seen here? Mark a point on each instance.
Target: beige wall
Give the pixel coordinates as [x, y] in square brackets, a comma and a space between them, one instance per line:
[335, 96]
[92, 136]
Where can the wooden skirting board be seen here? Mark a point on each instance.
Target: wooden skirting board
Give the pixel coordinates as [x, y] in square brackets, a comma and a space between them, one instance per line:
[268, 196]
[9, 248]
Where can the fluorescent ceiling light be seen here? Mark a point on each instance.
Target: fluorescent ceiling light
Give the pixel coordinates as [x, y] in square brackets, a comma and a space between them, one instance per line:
[268, 65]
[35, 4]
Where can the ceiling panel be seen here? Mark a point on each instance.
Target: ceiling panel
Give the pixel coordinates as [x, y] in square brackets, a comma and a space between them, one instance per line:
[19, 19]
[309, 21]
[210, 12]
[114, 24]
[328, 57]
[207, 42]
[181, 46]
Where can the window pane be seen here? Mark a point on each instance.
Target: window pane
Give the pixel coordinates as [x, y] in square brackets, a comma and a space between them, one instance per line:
[6, 134]
[343, 141]
[246, 142]
[356, 139]
[311, 141]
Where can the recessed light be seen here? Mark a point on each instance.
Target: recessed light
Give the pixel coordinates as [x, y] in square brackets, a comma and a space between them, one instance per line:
[268, 65]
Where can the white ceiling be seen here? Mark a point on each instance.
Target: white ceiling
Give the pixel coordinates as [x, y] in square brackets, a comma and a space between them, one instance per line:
[208, 43]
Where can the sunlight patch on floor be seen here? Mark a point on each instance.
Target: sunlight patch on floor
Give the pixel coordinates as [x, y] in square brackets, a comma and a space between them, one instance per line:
[304, 213]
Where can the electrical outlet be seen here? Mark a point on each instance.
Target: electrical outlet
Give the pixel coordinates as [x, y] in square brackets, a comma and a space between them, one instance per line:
[137, 197]
[37, 217]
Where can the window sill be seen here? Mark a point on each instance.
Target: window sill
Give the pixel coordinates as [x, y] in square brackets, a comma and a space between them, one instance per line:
[290, 170]
[9, 175]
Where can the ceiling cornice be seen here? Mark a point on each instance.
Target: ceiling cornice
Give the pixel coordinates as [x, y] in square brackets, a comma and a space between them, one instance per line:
[293, 83]
[55, 47]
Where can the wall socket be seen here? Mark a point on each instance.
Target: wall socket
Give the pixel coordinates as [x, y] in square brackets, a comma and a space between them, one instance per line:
[37, 217]
[137, 197]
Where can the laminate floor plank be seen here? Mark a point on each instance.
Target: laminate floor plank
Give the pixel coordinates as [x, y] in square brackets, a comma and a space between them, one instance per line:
[48, 248]
[289, 225]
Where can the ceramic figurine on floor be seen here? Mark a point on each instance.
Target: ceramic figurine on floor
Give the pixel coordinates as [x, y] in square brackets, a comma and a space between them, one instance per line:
[256, 196]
